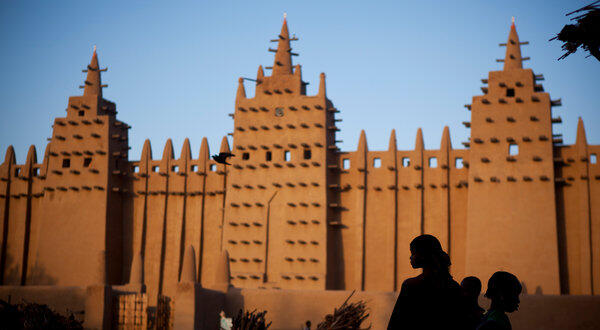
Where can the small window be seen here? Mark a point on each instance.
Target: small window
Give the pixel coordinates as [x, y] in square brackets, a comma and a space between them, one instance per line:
[87, 161]
[593, 159]
[346, 163]
[432, 162]
[136, 169]
[81, 113]
[193, 168]
[377, 162]
[513, 149]
[36, 171]
[66, 163]
[213, 167]
[287, 156]
[510, 92]
[174, 168]
[458, 162]
[278, 112]
[155, 169]
[307, 154]
[405, 162]
[17, 170]
[246, 156]
[268, 156]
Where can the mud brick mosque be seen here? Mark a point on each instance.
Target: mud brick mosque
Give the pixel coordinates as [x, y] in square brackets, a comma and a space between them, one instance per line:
[295, 212]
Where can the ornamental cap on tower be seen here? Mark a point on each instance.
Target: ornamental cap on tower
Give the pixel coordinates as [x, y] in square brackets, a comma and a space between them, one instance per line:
[283, 54]
[92, 83]
[513, 59]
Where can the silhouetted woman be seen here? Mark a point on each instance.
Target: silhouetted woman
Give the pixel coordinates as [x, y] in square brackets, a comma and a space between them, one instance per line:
[433, 299]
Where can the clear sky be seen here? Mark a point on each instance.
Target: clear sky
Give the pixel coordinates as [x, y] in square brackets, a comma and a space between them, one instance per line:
[174, 65]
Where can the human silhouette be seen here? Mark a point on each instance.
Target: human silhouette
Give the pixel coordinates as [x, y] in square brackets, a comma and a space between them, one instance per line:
[503, 289]
[306, 326]
[471, 288]
[222, 157]
[433, 299]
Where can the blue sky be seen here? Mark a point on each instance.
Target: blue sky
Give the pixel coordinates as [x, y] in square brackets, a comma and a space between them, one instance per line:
[173, 66]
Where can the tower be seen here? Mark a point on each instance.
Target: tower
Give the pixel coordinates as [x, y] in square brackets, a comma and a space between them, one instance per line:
[511, 213]
[276, 209]
[79, 225]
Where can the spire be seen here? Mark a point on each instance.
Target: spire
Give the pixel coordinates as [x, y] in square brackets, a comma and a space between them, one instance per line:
[283, 55]
[362, 142]
[224, 145]
[392, 145]
[446, 143]
[186, 152]
[204, 155]
[322, 89]
[260, 74]
[30, 161]
[93, 84]
[513, 59]
[9, 156]
[241, 91]
[419, 140]
[581, 139]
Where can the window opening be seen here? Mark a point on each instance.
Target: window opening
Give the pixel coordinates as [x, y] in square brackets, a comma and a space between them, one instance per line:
[36, 171]
[66, 163]
[268, 156]
[193, 168]
[287, 156]
[213, 167]
[458, 162]
[81, 113]
[405, 162]
[593, 159]
[432, 162]
[510, 92]
[174, 168]
[155, 169]
[346, 163]
[136, 169]
[246, 156]
[87, 161]
[377, 162]
[17, 170]
[307, 154]
[513, 149]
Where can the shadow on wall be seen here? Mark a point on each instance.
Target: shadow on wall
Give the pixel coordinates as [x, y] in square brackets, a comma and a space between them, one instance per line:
[335, 260]
[35, 276]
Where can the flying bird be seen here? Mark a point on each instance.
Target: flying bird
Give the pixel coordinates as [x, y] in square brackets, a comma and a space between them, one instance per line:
[222, 157]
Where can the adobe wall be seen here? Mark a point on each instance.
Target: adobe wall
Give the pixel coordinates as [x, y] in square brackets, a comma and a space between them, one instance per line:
[390, 197]
[175, 203]
[289, 309]
[578, 216]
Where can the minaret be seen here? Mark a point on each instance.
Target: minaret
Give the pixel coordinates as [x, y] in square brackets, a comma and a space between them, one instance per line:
[284, 146]
[86, 167]
[511, 214]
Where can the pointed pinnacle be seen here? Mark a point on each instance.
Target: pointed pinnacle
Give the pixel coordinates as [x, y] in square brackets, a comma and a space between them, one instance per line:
[283, 58]
[512, 58]
[241, 91]
[186, 153]
[419, 140]
[392, 144]
[581, 139]
[362, 141]
[224, 145]
[446, 142]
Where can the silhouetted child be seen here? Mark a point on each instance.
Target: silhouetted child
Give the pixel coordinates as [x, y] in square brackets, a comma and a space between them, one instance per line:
[433, 299]
[471, 288]
[503, 289]
[307, 326]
